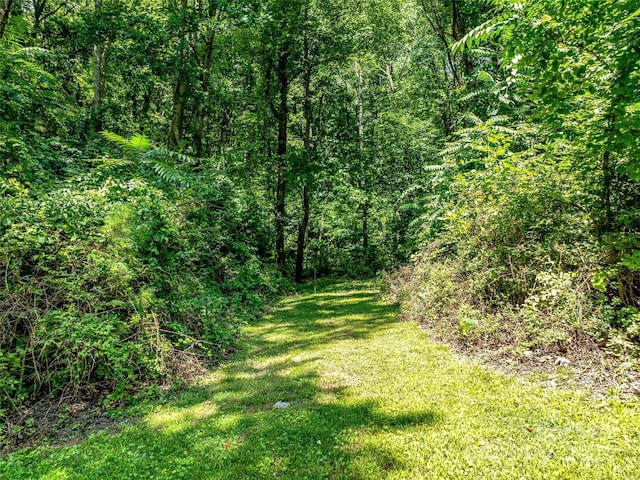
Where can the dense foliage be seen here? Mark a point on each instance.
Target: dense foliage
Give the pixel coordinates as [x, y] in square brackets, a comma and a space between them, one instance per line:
[168, 166]
[533, 243]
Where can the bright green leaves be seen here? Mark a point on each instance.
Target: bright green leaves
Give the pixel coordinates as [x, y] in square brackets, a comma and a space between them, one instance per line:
[142, 154]
[631, 260]
[630, 17]
[482, 33]
[137, 143]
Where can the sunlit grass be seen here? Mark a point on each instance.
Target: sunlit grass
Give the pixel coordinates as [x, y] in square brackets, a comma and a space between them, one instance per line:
[371, 397]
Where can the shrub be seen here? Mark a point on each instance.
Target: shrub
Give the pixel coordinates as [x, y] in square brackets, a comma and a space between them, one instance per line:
[115, 282]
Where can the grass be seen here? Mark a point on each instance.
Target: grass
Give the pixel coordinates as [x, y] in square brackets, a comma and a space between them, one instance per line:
[371, 397]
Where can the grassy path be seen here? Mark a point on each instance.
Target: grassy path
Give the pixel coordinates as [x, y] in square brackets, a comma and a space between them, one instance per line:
[371, 397]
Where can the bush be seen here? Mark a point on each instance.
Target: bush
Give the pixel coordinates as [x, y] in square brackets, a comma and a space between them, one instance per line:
[559, 313]
[116, 282]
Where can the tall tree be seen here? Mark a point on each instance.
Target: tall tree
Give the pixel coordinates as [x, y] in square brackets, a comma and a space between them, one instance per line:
[100, 60]
[181, 85]
[308, 67]
[5, 12]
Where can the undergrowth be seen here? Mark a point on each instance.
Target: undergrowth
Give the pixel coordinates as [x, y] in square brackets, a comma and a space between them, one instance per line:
[369, 397]
[109, 285]
[559, 319]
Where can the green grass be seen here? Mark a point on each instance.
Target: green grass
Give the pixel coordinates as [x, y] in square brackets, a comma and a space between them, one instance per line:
[371, 397]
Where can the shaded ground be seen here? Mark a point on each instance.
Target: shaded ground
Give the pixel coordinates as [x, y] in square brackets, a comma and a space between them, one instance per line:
[371, 397]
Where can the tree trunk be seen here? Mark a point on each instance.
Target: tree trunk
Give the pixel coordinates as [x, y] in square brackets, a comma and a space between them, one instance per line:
[438, 26]
[363, 183]
[360, 105]
[179, 105]
[304, 223]
[446, 114]
[146, 101]
[198, 129]
[38, 11]
[606, 191]
[281, 188]
[225, 128]
[205, 67]
[389, 72]
[458, 31]
[179, 100]
[4, 16]
[302, 232]
[365, 226]
[100, 53]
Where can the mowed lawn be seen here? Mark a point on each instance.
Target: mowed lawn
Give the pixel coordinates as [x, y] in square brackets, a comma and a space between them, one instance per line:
[370, 397]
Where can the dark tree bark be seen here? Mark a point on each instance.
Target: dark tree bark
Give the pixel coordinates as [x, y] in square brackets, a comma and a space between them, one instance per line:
[179, 100]
[205, 74]
[40, 13]
[283, 125]
[4, 16]
[606, 191]
[459, 30]
[302, 232]
[365, 226]
[178, 111]
[306, 138]
[363, 183]
[38, 10]
[201, 110]
[100, 54]
[438, 26]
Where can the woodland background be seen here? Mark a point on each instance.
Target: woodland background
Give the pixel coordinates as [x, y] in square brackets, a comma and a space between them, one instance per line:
[168, 167]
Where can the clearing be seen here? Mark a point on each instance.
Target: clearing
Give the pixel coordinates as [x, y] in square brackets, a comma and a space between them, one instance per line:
[370, 397]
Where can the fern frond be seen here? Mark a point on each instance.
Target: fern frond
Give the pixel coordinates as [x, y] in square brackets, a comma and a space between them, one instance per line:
[435, 168]
[630, 17]
[501, 128]
[485, 77]
[111, 163]
[466, 132]
[136, 144]
[476, 120]
[483, 32]
[167, 173]
[31, 51]
[164, 171]
[141, 152]
[409, 207]
[497, 119]
[115, 138]
[140, 143]
[472, 95]
[163, 152]
[483, 51]
[418, 187]
[452, 149]
[426, 218]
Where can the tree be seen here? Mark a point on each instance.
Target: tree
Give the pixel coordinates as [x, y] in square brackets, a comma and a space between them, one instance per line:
[5, 11]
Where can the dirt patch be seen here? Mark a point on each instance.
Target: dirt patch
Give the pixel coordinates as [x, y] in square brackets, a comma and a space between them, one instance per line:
[69, 418]
[543, 345]
[60, 421]
[594, 369]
